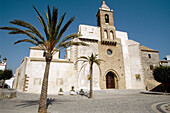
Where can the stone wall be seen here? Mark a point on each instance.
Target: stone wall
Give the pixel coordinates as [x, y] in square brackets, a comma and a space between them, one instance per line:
[149, 62]
[113, 63]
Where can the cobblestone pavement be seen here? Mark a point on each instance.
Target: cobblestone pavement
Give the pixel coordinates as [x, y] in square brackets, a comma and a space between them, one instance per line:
[105, 101]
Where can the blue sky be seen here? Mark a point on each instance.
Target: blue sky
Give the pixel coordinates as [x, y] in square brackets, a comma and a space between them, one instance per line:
[146, 21]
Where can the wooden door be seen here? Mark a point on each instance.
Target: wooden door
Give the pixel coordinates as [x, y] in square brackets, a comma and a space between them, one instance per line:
[110, 82]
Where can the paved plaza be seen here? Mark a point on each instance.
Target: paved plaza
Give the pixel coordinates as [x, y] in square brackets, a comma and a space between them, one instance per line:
[104, 101]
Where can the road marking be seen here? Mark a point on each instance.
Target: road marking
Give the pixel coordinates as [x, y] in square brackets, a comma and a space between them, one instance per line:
[161, 107]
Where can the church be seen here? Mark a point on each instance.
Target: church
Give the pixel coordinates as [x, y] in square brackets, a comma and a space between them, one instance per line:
[127, 64]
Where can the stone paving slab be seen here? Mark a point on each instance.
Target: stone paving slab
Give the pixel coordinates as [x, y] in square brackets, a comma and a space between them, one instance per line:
[111, 101]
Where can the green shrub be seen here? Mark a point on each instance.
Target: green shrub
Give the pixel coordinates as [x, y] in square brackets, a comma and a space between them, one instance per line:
[162, 74]
[5, 75]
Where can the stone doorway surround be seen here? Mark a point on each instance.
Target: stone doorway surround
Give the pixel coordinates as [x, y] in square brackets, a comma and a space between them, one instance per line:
[111, 79]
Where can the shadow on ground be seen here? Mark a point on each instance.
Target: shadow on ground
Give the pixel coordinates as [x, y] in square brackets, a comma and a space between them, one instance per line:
[154, 93]
[161, 88]
[50, 101]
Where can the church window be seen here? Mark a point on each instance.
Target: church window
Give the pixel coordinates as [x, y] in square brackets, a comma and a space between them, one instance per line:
[149, 55]
[106, 18]
[109, 52]
[151, 67]
[111, 35]
[98, 21]
[105, 34]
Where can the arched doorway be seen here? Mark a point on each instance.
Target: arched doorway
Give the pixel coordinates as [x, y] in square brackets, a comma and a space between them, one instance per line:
[110, 80]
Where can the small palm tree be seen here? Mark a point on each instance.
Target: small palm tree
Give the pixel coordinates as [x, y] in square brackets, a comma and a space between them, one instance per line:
[53, 39]
[90, 60]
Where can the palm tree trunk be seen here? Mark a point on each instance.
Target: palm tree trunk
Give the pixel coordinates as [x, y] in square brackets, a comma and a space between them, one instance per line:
[43, 97]
[3, 84]
[91, 80]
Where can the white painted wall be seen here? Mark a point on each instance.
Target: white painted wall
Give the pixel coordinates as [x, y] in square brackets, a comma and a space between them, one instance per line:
[21, 73]
[84, 72]
[168, 59]
[2, 66]
[61, 75]
[135, 64]
[89, 32]
[38, 53]
[124, 38]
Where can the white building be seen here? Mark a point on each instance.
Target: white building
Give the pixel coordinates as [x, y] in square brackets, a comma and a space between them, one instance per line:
[126, 61]
[168, 59]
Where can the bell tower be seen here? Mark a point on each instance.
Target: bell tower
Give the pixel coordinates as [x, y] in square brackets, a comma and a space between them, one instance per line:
[109, 50]
[106, 23]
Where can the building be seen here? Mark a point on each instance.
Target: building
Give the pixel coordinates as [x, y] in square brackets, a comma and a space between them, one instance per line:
[3, 64]
[128, 64]
[2, 67]
[168, 59]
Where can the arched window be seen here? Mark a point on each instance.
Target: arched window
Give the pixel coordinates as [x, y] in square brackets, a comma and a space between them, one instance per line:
[106, 18]
[105, 34]
[111, 35]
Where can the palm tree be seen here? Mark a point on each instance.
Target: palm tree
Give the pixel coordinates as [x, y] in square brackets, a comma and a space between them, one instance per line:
[53, 39]
[90, 60]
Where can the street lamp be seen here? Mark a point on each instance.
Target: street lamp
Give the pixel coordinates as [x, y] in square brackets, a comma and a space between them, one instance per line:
[4, 60]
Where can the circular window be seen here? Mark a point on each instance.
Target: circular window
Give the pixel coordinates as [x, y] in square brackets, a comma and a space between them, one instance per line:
[109, 52]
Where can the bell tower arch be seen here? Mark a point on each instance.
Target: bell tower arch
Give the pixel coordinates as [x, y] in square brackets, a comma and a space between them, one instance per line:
[105, 21]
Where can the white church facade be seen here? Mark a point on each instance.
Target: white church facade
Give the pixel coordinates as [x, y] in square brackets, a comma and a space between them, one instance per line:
[128, 64]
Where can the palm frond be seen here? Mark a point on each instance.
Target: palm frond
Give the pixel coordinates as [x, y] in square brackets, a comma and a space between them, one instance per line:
[54, 18]
[65, 27]
[15, 30]
[9, 28]
[26, 40]
[79, 61]
[49, 15]
[31, 28]
[74, 35]
[58, 28]
[83, 57]
[40, 18]
[90, 59]
[101, 60]
[69, 43]
[97, 62]
[84, 65]
[78, 43]
[42, 47]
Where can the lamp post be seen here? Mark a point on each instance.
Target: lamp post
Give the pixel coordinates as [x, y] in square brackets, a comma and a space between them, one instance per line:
[4, 60]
